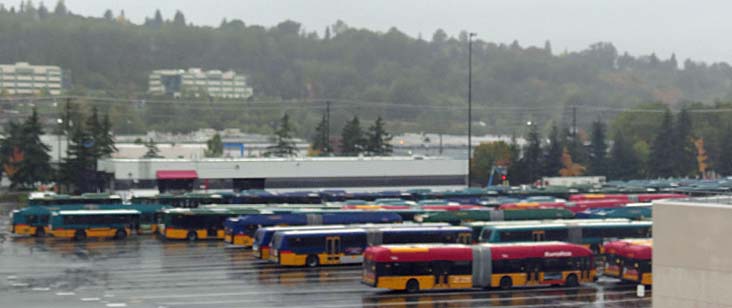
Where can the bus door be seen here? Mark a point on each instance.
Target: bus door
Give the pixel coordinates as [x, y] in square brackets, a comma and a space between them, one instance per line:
[538, 236]
[333, 249]
[532, 273]
[465, 238]
[441, 271]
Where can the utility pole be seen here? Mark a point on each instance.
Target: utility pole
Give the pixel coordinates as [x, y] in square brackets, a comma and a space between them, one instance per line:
[326, 142]
[470, 104]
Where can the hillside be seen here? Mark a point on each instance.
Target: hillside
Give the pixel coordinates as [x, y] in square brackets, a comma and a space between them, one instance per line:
[417, 84]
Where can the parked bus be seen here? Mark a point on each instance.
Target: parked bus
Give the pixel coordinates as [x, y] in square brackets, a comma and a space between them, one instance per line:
[33, 220]
[194, 224]
[263, 236]
[639, 211]
[189, 200]
[60, 200]
[458, 217]
[240, 231]
[478, 226]
[346, 246]
[413, 268]
[629, 260]
[81, 224]
[590, 234]
[612, 257]
[628, 198]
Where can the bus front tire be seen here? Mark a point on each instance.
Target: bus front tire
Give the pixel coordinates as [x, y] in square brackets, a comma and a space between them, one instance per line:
[311, 261]
[572, 281]
[192, 236]
[412, 286]
[506, 283]
[120, 234]
[80, 235]
[40, 232]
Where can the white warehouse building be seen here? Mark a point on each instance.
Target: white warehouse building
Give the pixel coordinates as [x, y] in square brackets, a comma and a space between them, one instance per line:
[195, 81]
[283, 173]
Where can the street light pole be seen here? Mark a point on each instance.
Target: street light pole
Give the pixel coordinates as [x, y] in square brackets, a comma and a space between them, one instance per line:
[470, 104]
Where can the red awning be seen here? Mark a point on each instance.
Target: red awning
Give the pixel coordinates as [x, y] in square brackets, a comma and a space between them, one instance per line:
[176, 174]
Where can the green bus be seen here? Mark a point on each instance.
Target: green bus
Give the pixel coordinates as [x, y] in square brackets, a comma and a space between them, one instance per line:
[200, 223]
[88, 198]
[458, 217]
[189, 200]
[82, 224]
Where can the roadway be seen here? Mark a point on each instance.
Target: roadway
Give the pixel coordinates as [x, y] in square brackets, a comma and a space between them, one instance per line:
[147, 272]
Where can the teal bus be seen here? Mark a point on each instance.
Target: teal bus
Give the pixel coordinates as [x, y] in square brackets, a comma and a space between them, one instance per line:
[458, 217]
[83, 224]
[590, 234]
[61, 200]
[33, 220]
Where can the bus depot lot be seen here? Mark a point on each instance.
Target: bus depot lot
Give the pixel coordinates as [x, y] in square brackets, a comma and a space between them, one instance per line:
[147, 272]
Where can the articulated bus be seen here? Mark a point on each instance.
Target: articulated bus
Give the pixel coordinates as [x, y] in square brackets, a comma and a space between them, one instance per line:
[189, 200]
[346, 246]
[81, 224]
[612, 257]
[240, 231]
[479, 226]
[263, 236]
[590, 234]
[413, 268]
[629, 260]
[627, 197]
[458, 217]
[197, 223]
[637, 211]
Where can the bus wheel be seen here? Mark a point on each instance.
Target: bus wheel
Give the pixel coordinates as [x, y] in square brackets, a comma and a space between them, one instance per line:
[40, 232]
[412, 286]
[120, 234]
[312, 261]
[571, 281]
[506, 283]
[80, 235]
[192, 236]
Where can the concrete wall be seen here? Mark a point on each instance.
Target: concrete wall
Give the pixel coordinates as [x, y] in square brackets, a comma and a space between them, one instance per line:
[692, 254]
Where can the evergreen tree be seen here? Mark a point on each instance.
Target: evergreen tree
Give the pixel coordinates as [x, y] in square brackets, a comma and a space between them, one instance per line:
[684, 148]
[35, 166]
[724, 165]
[553, 154]
[105, 138]
[12, 154]
[78, 168]
[661, 161]
[94, 129]
[378, 140]
[516, 171]
[283, 145]
[60, 9]
[624, 162]
[108, 15]
[320, 142]
[179, 19]
[352, 139]
[598, 149]
[152, 150]
[532, 155]
[214, 147]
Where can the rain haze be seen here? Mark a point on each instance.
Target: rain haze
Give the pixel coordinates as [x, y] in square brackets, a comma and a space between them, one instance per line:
[690, 29]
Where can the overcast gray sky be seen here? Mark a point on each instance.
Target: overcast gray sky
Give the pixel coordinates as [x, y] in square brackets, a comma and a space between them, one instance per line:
[696, 29]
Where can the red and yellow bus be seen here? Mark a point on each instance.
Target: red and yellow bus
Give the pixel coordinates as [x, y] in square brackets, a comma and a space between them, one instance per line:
[423, 267]
[637, 261]
[612, 258]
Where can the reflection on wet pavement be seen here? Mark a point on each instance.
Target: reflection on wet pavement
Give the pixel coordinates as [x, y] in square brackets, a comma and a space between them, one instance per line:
[147, 272]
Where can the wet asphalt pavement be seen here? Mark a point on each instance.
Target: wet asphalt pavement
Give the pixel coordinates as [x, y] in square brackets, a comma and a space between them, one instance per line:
[147, 272]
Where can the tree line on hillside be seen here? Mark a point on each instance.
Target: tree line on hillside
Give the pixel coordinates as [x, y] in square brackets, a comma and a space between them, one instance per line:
[418, 84]
[646, 143]
[27, 163]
